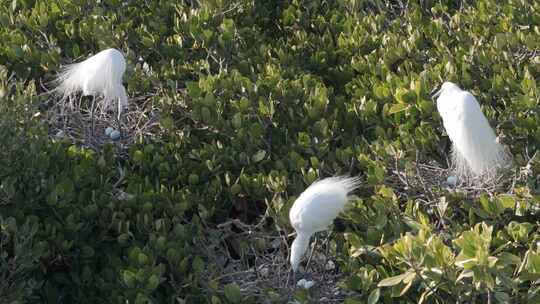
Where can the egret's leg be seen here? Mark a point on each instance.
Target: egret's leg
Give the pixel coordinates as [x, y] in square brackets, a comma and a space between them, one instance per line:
[312, 250]
[63, 115]
[118, 116]
[92, 110]
[291, 278]
[327, 252]
[326, 241]
[67, 112]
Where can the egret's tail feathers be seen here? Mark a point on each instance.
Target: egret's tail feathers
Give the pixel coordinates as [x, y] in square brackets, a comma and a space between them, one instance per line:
[115, 94]
[483, 165]
[68, 81]
[99, 76]
[113, 88]
[347, 183]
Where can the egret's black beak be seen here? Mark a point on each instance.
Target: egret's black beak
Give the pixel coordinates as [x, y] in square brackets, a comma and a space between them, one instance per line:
[436, 95]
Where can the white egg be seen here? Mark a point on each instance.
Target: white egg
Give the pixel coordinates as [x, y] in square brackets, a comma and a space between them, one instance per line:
[305, 284]
[330, 266]
[115, 135]
[59, 134]
[451, 180]
[309, 284]
[108, 131]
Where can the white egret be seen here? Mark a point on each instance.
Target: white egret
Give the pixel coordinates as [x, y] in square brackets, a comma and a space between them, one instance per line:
[100, 75]
[476, 152]
[315, 209]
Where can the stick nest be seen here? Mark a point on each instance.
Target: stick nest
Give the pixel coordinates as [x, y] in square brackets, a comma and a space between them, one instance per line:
[427, 180]
[71, 119]
[259, 264]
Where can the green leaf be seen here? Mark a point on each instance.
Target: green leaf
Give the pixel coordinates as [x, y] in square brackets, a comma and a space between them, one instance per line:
[509, 259]
[410, 276]
[391, 281]
[87, 252]
[142, 258]
[528, 276]
[406, 288]
[374, 296]
[129, 278]
[76, 50]
[193, 89]
[533, 263]
[507, 201]
[153, 282]
[257, 157]
[138, 156]
[198, 265]
[233, 293]
[386, 192]
[397, 107]
[502, 297]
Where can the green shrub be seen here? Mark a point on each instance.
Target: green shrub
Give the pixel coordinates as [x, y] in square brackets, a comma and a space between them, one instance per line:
[257, 99]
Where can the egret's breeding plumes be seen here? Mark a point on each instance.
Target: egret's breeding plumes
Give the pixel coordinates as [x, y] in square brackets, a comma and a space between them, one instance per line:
[316, 208]
[476, 153]
[99, 75]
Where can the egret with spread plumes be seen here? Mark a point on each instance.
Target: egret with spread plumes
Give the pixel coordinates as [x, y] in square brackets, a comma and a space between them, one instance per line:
[98, 76]
[476, 152]
[315, 209]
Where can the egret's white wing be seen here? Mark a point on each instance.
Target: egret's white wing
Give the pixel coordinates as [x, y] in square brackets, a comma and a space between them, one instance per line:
[321, 202]
[473, 138]
[100, 74]
[314, 211]
[452, 108]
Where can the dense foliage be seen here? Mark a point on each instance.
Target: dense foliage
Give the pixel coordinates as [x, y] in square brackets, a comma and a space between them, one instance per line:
[257, 100]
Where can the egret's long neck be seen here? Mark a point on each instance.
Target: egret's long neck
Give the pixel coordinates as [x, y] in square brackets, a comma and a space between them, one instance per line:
[298, 248]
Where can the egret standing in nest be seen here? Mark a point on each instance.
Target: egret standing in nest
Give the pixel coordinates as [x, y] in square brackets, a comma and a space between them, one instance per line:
[100, 75]
[476, 152]
[315, 209]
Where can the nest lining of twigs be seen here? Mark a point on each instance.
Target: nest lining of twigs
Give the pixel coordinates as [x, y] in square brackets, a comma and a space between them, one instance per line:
[425, 179]
[72, 120]
[258, 271]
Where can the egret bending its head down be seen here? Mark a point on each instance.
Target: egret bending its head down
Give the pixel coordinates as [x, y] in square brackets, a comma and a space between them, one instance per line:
[475, 149]
[315, 209]
[99, 75]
